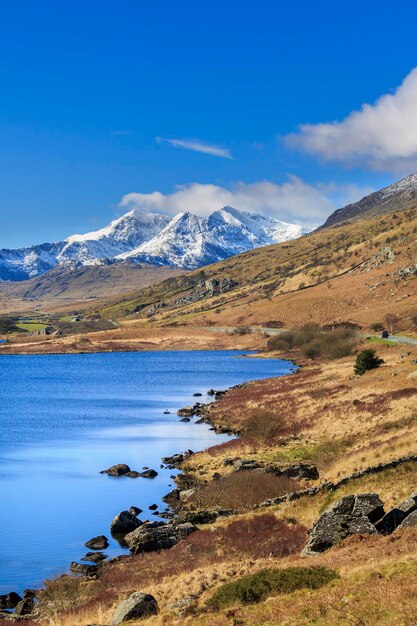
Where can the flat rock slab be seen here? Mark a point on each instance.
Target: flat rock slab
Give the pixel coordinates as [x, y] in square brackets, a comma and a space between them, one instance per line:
[97, 543]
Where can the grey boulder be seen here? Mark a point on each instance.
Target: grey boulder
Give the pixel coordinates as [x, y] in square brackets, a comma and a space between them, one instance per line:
[124, 523]
[348, 516]
[137, 606]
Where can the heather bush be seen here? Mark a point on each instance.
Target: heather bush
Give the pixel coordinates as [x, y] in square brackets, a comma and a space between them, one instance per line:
[268, 582]
[242, 490]
[265, 426]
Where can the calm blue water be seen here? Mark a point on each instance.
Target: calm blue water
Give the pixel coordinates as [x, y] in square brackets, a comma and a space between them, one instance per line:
[63, 418]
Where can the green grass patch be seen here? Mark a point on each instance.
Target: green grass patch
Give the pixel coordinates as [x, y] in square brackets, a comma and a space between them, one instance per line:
[380, 340]
[269, 582]
[31, 326]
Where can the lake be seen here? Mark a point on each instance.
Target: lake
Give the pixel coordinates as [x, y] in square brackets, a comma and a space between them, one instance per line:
[63, 418]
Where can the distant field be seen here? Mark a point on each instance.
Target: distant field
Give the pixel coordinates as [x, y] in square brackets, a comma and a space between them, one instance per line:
[31, 326]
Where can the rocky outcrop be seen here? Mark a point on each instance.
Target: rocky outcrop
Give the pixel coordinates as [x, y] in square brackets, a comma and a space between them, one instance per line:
[204, 516]
[135, 607]
[152, 536]
[186, 411]
[97, 543]
[350, 515]
[124, 523]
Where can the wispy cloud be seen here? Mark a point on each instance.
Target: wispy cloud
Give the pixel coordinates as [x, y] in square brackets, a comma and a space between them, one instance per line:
[198, 146]
[382, 135]
[293, 200]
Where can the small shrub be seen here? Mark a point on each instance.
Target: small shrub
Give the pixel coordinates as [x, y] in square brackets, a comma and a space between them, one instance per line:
[243, 330]
[268, 582]
[365, 361]
[265, 426]
[376, 327]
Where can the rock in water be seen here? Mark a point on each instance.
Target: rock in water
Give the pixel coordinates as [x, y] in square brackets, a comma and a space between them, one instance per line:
[9, 600]
[149, 473]
[94, 557]
[121, 469]
[124, 523]
[97, 543]
[350, 515]
[136, 606]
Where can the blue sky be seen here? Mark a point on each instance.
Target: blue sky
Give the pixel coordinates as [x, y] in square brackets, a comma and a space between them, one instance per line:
[105, 102]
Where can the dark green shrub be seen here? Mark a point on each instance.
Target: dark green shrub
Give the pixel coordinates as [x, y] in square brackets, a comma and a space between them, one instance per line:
[268, 582]
[366, 360]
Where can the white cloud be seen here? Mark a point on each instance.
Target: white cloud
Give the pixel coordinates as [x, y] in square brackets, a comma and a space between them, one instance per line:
[198, 146]
[293, 200]
[382, 136]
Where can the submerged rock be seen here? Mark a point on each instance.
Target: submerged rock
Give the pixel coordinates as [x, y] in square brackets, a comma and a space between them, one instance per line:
[135, 607]
[97, 543]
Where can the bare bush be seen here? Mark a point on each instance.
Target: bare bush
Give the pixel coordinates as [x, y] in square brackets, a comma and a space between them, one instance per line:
[242, 490]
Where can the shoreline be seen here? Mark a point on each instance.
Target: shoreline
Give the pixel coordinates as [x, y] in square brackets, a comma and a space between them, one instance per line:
[205, 418]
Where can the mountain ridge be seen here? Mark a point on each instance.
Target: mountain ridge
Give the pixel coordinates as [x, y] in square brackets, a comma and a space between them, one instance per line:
[185, 241]
[400, 195]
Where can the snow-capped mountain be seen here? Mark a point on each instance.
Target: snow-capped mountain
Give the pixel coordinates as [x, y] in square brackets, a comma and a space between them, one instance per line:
[189, 241]
[185, 241]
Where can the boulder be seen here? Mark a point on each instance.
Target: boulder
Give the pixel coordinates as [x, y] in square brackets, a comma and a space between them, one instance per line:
[301, 471]
[135, 510]
[350, 515]
[121, 469]
[9, 600]
[149, 473]
[395, 518]
[185, 419]
[153, 507]
[124, 523]
[204, 516]
[157, 536]
[187, 411]
[83, 569]
[135, 607]
[410, 520]
[97, 543]
[246, 464]
[25, 607]
[94, 557]
[176, 459]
